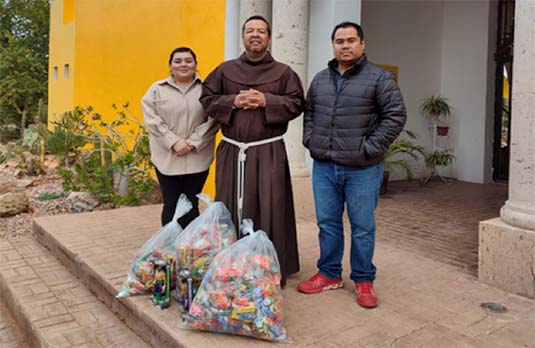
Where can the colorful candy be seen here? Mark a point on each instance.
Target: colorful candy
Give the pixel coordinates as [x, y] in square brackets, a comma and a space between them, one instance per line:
[160, 248]
[202, 239]
[241, 292]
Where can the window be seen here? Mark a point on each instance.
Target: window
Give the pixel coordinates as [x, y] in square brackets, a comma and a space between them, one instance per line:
[55, 73]
[66, 71]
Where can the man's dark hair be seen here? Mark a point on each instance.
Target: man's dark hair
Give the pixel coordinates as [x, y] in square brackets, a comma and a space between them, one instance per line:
[182, 49]
[256, 17]
[347, 24]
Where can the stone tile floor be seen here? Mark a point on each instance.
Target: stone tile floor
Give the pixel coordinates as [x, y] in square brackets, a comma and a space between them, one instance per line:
[429, 295]
[438, 220]
[426, 257]
[10, 334]
[58, 308]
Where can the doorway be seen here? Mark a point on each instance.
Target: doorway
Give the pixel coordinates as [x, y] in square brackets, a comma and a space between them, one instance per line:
[504, 77]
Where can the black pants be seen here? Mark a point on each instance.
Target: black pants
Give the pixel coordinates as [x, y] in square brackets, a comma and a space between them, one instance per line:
[172, 186]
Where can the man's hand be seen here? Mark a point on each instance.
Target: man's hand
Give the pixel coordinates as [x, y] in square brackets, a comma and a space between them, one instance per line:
[250, 99]
[182, 147]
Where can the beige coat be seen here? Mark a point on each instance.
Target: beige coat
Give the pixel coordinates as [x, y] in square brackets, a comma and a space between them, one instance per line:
[171, 114]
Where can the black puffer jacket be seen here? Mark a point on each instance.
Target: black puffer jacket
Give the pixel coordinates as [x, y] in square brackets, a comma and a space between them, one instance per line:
[355, 126]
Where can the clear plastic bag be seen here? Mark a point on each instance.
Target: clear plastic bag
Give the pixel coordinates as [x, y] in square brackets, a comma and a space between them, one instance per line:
[241, 293]
[201, 240]
[140, 278]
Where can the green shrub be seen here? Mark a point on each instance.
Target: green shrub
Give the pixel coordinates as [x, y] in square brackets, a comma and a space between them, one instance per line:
[111, 160]
[48, 196]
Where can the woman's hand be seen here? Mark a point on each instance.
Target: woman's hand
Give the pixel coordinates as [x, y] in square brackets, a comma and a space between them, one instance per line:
[182, 147]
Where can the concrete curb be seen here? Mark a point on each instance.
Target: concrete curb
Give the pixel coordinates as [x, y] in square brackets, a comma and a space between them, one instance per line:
[52, 308]
[17, 311]
[135, 319]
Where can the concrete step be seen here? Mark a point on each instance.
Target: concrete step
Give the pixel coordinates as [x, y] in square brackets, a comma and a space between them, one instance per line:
[423, 302]
[51, 306]
[11, 335]
[98, 248]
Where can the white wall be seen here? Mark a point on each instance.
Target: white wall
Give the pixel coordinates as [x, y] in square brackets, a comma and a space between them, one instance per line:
[465, 71]
[441, 47]
[324, 15]
[408, 34]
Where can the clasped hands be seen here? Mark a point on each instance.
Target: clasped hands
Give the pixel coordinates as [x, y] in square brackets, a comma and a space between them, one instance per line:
[250, 99]
[182, 147]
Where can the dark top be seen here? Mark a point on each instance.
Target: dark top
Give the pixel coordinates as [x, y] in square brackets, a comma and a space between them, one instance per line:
[267, 198]
[353, 124]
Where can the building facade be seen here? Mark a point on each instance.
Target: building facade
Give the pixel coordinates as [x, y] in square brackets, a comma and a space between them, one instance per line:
[105, 52]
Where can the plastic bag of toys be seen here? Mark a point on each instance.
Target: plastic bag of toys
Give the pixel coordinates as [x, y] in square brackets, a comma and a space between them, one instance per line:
[201, 240]
[140, 278]
[241, 293]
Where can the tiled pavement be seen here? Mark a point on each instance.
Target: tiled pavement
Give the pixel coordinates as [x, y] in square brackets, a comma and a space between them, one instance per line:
[52, 306]
[438, 221]
[10, 334]
[425, 302]
[429, 294]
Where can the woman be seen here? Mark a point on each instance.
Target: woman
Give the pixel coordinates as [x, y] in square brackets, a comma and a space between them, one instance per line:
[181, 135]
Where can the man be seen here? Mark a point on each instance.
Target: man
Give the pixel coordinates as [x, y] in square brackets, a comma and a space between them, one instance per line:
[354, 111]
[253, 98]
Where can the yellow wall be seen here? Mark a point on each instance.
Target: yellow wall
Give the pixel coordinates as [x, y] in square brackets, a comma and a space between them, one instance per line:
[202, 28]
[123, 46]
[61, 52]
[69, 10]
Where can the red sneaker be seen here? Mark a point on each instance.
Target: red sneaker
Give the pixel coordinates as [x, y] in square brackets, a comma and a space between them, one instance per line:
[365, 295]
[318, 283]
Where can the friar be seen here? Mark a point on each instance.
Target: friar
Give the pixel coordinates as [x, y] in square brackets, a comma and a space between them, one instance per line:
[254, 97]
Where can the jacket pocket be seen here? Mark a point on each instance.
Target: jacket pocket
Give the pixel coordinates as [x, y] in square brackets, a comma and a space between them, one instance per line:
[372, 123]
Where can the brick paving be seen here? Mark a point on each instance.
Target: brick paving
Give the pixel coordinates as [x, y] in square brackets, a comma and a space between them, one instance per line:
[427, 298]
[10, 334]
[439, 221]
[52, 305]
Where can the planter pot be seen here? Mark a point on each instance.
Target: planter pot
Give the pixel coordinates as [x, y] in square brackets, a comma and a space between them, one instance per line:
[442, 131]
[384, 183]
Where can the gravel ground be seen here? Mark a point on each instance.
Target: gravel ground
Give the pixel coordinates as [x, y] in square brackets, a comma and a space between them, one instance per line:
[21, 224]
[14, 179]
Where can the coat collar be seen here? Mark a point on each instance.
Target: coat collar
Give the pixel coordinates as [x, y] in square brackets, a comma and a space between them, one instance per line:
[171, 82]
[333, 65]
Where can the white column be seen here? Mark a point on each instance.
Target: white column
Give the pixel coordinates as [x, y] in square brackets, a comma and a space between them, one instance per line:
[232, 29]
[250, 8]
[290, 46]
[519, 210]
[507, 244]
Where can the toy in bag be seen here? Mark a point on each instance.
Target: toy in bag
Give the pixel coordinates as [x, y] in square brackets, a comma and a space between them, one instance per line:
[140, 278]
[201, 240]
[161, 296]
[241, 293]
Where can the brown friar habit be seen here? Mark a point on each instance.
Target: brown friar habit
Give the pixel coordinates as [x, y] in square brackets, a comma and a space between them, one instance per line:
[267, 197]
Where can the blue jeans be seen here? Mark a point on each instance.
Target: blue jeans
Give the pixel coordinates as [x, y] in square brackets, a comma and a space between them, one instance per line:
[333, 186]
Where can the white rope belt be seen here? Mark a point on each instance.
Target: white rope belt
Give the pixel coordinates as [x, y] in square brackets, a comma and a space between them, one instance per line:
[241, 167]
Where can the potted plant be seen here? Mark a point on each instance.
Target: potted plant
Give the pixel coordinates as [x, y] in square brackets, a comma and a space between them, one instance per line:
[438, 158]
[436, 109]
[391, 161]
